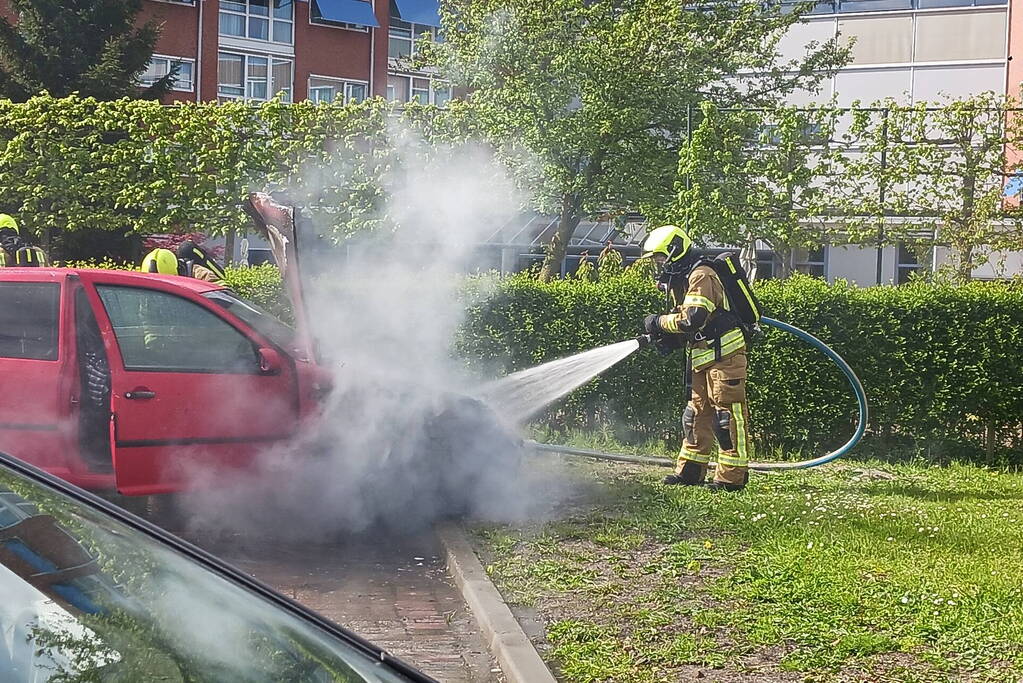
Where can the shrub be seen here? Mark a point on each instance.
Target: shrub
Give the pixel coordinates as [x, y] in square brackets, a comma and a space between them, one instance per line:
[262, 286]
[104, 264]
[940, 363]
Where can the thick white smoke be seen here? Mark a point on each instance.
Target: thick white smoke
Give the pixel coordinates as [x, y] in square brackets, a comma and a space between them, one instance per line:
[400, 444]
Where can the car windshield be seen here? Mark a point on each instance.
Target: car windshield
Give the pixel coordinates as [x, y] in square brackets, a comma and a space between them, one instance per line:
[89, 598]
[260, 320]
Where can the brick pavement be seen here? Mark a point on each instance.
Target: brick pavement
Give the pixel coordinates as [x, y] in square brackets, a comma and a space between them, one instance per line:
[394, 592]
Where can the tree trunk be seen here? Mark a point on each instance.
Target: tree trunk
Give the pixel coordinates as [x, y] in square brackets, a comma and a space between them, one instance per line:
[567, 223]
[229, 247]
[964, 271]
[783, 254]
[965, 265]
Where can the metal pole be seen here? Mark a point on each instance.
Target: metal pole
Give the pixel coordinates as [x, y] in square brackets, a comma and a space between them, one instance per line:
[881, 191]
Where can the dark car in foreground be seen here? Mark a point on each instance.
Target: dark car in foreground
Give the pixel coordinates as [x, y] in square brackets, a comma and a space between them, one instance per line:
[93, 593]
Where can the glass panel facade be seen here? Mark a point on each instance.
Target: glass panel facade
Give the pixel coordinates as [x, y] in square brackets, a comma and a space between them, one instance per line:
[161, 66]
[232, 24]
[356, 92]
[281, 78]
[414, 88]
[231, 75]
[253, 77]
[812, 262]
[397, 88]
[335, 89]
[255, 20]
[847, 6]
[402, 37]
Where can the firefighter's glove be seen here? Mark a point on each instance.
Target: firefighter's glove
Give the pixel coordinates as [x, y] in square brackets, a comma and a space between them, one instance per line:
[660, 339]
[652, 327]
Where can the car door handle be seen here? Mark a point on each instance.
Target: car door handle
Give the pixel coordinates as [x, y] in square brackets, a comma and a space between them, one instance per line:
[139, 394]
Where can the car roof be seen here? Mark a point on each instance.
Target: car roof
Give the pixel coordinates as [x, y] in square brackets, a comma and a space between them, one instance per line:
[115, 276]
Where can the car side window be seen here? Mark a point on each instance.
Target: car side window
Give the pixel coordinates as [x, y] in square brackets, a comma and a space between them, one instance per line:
[29, 320]
[161, 332]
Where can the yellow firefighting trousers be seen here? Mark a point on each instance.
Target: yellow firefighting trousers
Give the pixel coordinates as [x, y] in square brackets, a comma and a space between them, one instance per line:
[718, 412]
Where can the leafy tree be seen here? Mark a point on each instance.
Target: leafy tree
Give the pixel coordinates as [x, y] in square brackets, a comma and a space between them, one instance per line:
[92, 47]
[933, 174]
[588, 99]
[748, 175]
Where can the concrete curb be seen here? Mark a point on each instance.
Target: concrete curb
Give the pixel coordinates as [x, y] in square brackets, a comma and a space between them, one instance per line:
[519, 660]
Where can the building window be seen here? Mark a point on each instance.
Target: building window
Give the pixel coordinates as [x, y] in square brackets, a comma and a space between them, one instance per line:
[419, 89]
[269, 20]
[813, 262]
[253, 77]
[335, 89]
[160, 66]
[441, 94]
[907, 264]
[402, 37]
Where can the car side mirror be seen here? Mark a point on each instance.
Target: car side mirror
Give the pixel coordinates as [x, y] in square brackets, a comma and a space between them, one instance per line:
[270, 362]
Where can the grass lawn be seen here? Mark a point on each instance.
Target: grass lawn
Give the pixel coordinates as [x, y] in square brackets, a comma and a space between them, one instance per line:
[860, 571]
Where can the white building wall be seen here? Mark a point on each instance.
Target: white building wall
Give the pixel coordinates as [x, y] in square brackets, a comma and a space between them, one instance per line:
[1000, 264]
[910, 56]
[854, 263]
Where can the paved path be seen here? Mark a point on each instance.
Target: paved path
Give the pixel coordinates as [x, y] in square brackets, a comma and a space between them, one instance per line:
[395, 592]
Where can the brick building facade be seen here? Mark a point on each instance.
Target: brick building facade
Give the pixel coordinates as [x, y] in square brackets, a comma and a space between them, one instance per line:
[309, 49]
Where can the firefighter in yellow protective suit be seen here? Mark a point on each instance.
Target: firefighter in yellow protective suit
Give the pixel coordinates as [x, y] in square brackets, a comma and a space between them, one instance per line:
[717, 410]
[15, 249]
[189, 260]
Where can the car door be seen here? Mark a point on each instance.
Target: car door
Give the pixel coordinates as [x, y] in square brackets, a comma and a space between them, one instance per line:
[35, 388]
[189, 397]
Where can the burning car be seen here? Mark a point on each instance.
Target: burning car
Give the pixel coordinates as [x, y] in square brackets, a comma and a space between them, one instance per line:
[114, 379]
[151, 384]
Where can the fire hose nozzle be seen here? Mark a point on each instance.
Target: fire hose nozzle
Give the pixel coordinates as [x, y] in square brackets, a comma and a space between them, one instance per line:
[645, 341]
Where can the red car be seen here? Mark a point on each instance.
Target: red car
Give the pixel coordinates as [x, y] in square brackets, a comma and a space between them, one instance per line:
[114, 379]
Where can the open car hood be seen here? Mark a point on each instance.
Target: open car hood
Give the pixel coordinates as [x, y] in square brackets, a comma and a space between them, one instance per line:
[276, 222]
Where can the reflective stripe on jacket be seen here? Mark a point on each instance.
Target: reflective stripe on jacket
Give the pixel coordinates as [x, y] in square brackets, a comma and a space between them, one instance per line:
[731, 341]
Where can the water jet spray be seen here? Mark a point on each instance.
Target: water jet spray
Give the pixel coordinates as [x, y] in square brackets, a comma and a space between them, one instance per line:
[585, 366]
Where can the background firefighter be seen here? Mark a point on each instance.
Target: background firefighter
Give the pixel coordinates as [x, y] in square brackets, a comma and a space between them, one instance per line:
[188, 261]
[700, 316]
[15, 249]
[199, 264]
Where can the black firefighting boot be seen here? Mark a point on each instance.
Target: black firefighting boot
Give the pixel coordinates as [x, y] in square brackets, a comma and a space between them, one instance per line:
[691, 474]
[735, 487]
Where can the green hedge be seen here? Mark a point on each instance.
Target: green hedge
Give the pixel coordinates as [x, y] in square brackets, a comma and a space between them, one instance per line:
[941, 364]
